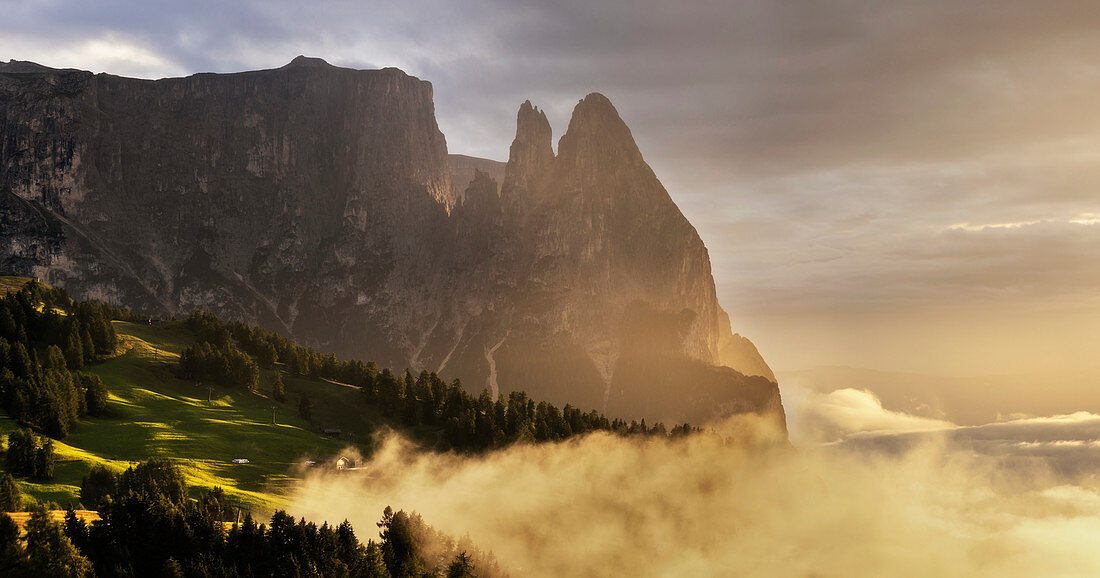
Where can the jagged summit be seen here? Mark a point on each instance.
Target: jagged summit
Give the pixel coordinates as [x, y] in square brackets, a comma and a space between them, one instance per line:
[531, 153]
[597, 131]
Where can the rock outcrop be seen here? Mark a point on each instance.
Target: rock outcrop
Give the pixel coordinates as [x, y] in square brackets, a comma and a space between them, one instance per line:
[464, 168]
[321, 202]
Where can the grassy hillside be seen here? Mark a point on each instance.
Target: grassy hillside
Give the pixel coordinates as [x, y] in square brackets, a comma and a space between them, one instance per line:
[154, 414]
[11, 284]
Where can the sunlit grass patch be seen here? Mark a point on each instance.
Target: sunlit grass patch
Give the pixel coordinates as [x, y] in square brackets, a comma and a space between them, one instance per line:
[141, 348]
[9, 284]
[46, 492]
[153, 413]
[226, 421]
[169, 435]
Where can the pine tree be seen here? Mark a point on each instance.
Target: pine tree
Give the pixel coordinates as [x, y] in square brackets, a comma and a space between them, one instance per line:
[278, 389]
[97, 486]
[461, 567]
[8, 328]
[21, 452]
[44, 460]
[375, 563]
[87, 345]
[266, 354]
[400, 546]
[389, 392]
[74, 351]
[21, 363]
[75, 529]
[154, 479]
[11, 499]
[13, 559]
[49, 550]
[171, 569]
[95, 393]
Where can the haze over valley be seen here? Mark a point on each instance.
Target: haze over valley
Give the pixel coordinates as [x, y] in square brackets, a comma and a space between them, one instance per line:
[572, 289]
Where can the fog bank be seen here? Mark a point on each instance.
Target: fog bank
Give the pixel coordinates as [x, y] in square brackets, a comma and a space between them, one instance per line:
[707, 506]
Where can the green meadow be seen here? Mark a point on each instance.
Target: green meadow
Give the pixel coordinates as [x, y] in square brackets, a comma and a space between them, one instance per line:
[10, 284]
[155, 414]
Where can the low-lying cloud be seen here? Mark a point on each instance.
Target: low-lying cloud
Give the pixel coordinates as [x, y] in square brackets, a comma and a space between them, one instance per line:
[826, 417]
[709, 506]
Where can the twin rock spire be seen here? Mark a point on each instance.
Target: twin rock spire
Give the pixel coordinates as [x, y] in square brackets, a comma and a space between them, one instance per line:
[596, 133]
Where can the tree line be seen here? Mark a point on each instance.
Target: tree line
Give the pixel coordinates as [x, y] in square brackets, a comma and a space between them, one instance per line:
[466, 422]
[46, 339]
[150, 527]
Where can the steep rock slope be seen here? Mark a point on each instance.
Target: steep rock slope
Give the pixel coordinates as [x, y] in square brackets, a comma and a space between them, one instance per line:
[464, 168]
[287, 197]
[618, 294]
[321, 202]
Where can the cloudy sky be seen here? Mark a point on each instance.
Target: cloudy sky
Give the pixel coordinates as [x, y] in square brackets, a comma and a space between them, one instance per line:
[907, 185]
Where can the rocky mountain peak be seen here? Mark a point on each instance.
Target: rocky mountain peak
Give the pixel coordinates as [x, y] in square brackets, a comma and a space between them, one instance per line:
[302, 61]
[482, 190]
[531, 154]
[597, 134]
[598, 104]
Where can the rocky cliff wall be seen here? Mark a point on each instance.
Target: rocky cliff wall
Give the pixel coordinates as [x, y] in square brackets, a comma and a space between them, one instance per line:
[320, 202]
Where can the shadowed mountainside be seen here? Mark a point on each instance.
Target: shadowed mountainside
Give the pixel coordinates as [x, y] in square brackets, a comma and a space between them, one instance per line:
[321, 202]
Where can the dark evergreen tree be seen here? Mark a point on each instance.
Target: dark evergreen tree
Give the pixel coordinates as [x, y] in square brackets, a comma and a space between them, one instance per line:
[400, 547]
[74, 350]
[95, 393]
[75, 529]
[20, 363]
[44, 460]
[171, 569]
[278, 389]
[87, 345]
[21, 452]
[9, 331]
[11, 499]
[461, 567]
[13, 559]
[389, 392]
[157, 477]
[49, 550]
[97, 487]
[225, 365]
[374, 565]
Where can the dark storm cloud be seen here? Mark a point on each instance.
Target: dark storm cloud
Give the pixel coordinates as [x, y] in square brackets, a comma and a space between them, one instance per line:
[831, 154]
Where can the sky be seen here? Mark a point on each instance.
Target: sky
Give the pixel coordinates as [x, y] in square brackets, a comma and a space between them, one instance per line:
[908, 185]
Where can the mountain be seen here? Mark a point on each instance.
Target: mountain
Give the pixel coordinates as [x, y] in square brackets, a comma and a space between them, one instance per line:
[321, 202]
[464, 168]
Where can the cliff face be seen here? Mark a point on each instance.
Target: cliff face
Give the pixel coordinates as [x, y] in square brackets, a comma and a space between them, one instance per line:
[465, 168]
[318, 201]
[618, 294]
